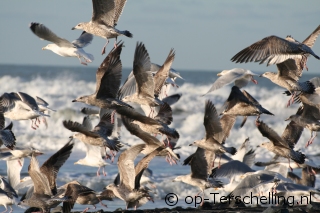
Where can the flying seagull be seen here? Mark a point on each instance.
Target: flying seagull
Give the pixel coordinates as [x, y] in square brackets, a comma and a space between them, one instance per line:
[104, 18]
[62, 46]
[275, 50]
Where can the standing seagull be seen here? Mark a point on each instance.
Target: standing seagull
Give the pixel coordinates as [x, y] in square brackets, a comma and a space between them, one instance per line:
[62, 46]
[276, 50]
[104, 18]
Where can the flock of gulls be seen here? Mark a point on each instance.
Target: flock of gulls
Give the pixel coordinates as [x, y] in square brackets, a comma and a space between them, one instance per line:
[147, 86]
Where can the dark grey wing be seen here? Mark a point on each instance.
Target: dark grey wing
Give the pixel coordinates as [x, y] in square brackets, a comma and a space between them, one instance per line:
[119, 5]
[103, 12]
[126, 166]
[227, 122]
[133, 114]
[211, 120]
[86, 123]
[272, 48]
[165, 114]
[271, 135]
[7, 188]
[199, 164]
[7, 101]
[27, 99]
[45, 33]
[310, 40]
[108, 76]
[141, 71]
[134, 129]
[40, 101]
[104, 127]
[250, 98]
[163, 73]
[7, 137]
[128, 88]
[292, 134]
[84, 40]
[235, 97]
[52, 166]
[77, 127]
[172, 99]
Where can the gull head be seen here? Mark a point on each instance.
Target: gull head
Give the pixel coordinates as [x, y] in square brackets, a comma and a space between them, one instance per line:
[177, 179]
[292, 118]
[195, 143]
[79, 26]
[269, 75]
[111, 186]
[126, 98]
[83, 99]
[267, 145]
[49, 47]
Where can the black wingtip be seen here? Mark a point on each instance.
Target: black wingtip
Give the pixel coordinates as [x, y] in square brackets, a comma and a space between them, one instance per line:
[127, 33]
[33, 26]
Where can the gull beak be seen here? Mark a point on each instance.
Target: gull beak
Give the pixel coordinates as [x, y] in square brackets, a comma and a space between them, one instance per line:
[287, 119]
[258, 146]
[75, 100]
[191, 144]
[261, 75]
[73, 28]
[219, 74]
[43, 48]
[71, 136]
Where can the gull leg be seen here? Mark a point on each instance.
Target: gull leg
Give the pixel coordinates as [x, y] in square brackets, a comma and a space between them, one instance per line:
[32, 125]
[289, 165]
[219, 162]
[102, 204]
[103, 171]
[11, 209]
[98, 172]
[81, 62]
[214, 160]
[112, 116]
[115, 42]
[311, 139]
[104, 47]
[86, 209]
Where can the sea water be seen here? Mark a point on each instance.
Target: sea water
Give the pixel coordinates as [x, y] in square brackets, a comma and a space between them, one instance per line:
[60, 85]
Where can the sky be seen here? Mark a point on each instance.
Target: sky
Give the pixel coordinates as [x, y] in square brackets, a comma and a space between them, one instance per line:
[204, 34]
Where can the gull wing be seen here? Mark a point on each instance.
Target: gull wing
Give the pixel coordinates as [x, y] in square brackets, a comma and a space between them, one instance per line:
[45, 33]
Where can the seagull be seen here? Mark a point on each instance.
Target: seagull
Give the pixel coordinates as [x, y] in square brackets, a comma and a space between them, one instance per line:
[240, 77]
[105, 16]
[80, 194]
[99, 136]
[128, 188]
[95, 156]
[152, 143]
[145, 93]
[212, 125]
[278, 145]
[200, 168]
[62, 46]
[20, 106]
[44, 179]
[275, 50]
[308, 117]
[243, 104]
